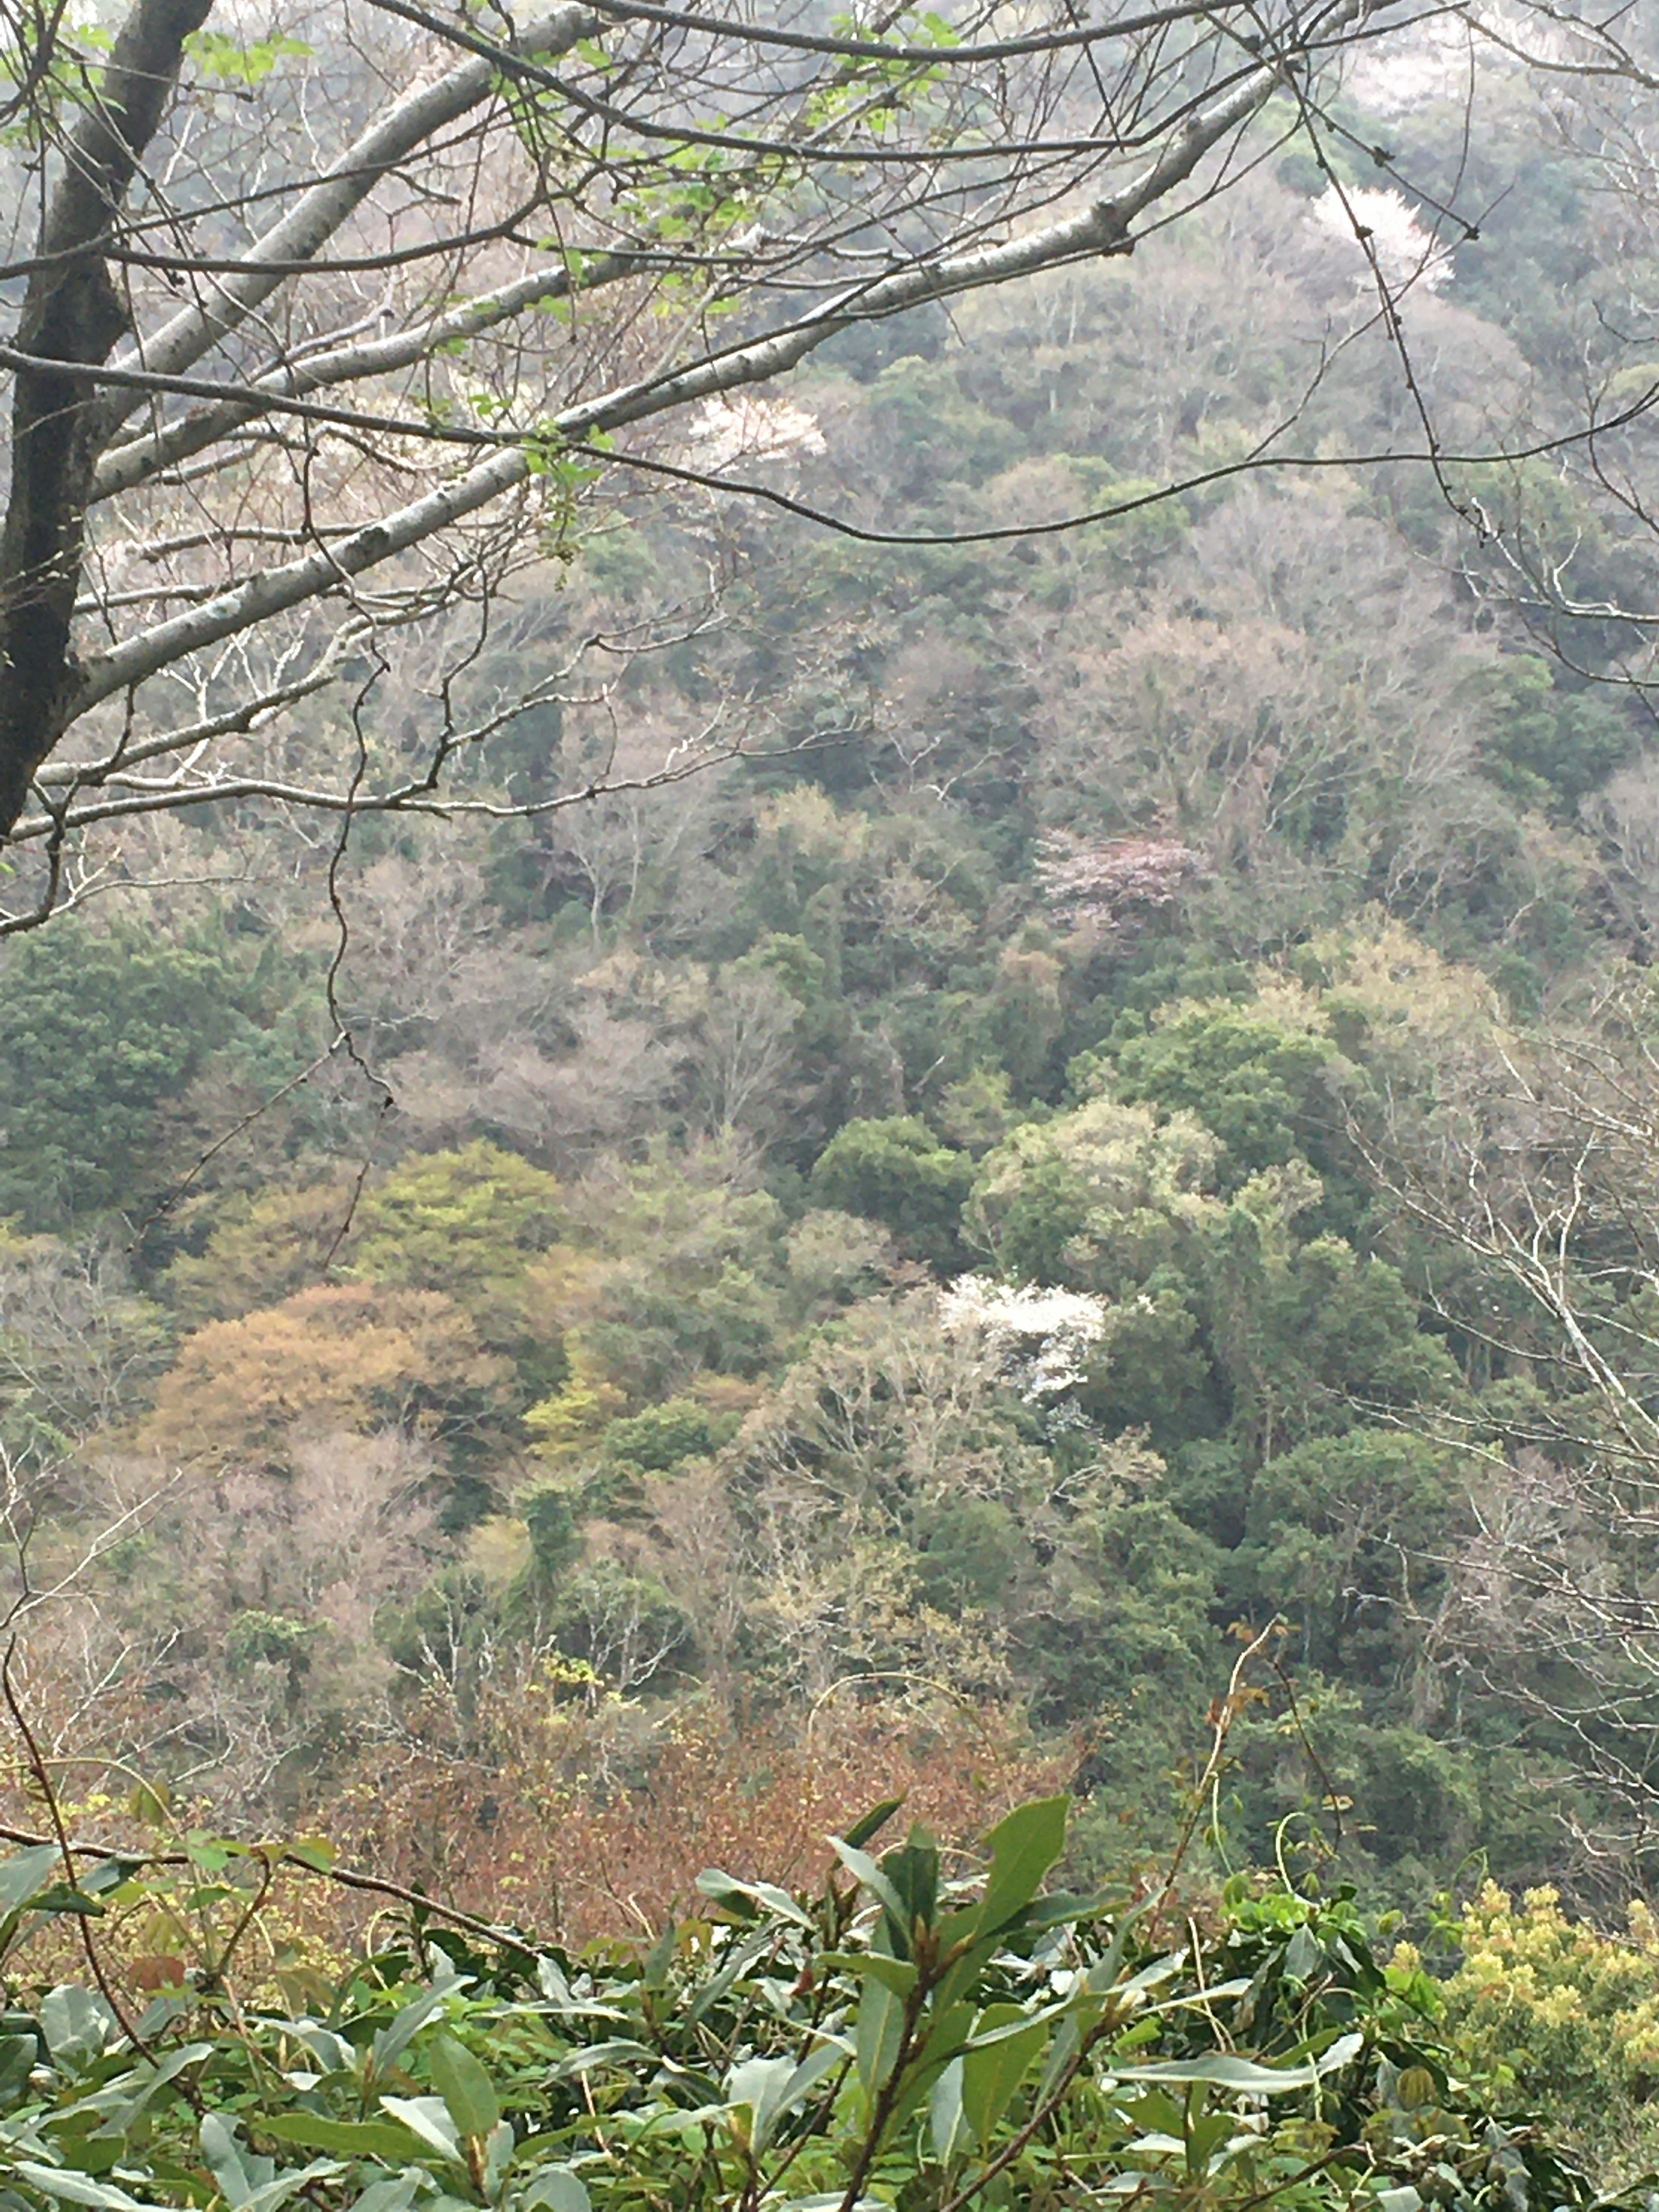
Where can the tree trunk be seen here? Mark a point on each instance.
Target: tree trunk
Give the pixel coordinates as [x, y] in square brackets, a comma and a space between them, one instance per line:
[72, 317]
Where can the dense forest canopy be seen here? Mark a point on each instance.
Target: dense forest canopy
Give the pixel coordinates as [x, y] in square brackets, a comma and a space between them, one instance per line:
[754, 1112]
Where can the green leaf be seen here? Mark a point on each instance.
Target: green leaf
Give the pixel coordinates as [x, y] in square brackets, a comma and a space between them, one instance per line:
[742, 1958]
[952, 2137]
[18, 2054]
[24, 1873]
[223, 2154]
[875, 2036]
[556, 2189]
[96, 2152]
[747, 1897]
[896, 1974]
[773, 2087]
[429, 2120]
[1303, 1954]
[659, 1957]
[313, 1852]
[345, 2138]
[275, 2192]
[871, 1823]
[395, 2193]
[1006, 2045]
[76, 2188]
[1023, 1848]
[861, 1864]
[619, 2053]
[913, 1871]
[1221, 2069]
[1065, 2050]
[151, 1803]
[60, 1898]
[76, 2024]
[391, 2040]
[467, 2091]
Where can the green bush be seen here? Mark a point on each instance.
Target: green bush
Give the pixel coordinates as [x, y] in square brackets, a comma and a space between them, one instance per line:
[661, 1437]
[898, 1172]
[902, 2038]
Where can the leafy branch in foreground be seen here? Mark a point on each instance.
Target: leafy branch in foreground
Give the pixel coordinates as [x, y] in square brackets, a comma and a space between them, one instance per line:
[903, 2037]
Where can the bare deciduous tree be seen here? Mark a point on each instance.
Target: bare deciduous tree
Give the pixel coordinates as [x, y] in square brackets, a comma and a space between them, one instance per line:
[328, 333]
[1535, 1163]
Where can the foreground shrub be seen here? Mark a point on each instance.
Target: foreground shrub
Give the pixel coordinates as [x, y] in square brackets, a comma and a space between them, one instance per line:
[897, 2038]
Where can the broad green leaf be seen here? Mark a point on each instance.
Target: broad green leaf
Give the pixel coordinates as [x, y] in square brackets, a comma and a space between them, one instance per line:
[96, 2152]
[742, 1958]
[333, 2052]
[223, 2154]
[896, 1974]
[151, 1802]
[467, 2091]
[313, 1852]
[76, 2023]
[394, 2039]
[551, 1980]
[1303, 1954]
[914, 1870]
[952, 2137]
[25, 1872]
[1103, 1976]
[554, 2189]
[871, 1824]
[1065, 2050]
[345, 2138]
[619, 2053]
[282, 2187]
[1222, 2069]
[498, 2148]
[1060, 1908]
[1005, 2047]
[52, 2181]
[60, 1898]
[1023, 1848]
[772, 2088]
[427, 2120]
[946, 2032]
[876, 2037]
[658, 1959]
[396, 2193]
[18, 2054]
[861, 1864]
[725, 1889]
[757, 2087]
[106, 1875]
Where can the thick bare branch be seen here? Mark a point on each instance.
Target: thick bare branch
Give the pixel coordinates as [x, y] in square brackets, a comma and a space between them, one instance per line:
[132, 464]
[1103, 227]
[301, 234]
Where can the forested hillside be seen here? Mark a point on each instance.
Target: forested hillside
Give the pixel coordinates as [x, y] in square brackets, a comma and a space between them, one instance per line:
[1111, 1112]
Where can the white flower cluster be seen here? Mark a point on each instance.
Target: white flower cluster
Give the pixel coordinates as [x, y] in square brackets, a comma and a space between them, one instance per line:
[1406, 252]
[750, 429]
[1044, 1336]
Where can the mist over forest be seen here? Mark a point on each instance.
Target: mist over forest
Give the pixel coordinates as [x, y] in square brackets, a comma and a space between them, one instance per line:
[936, 1080]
